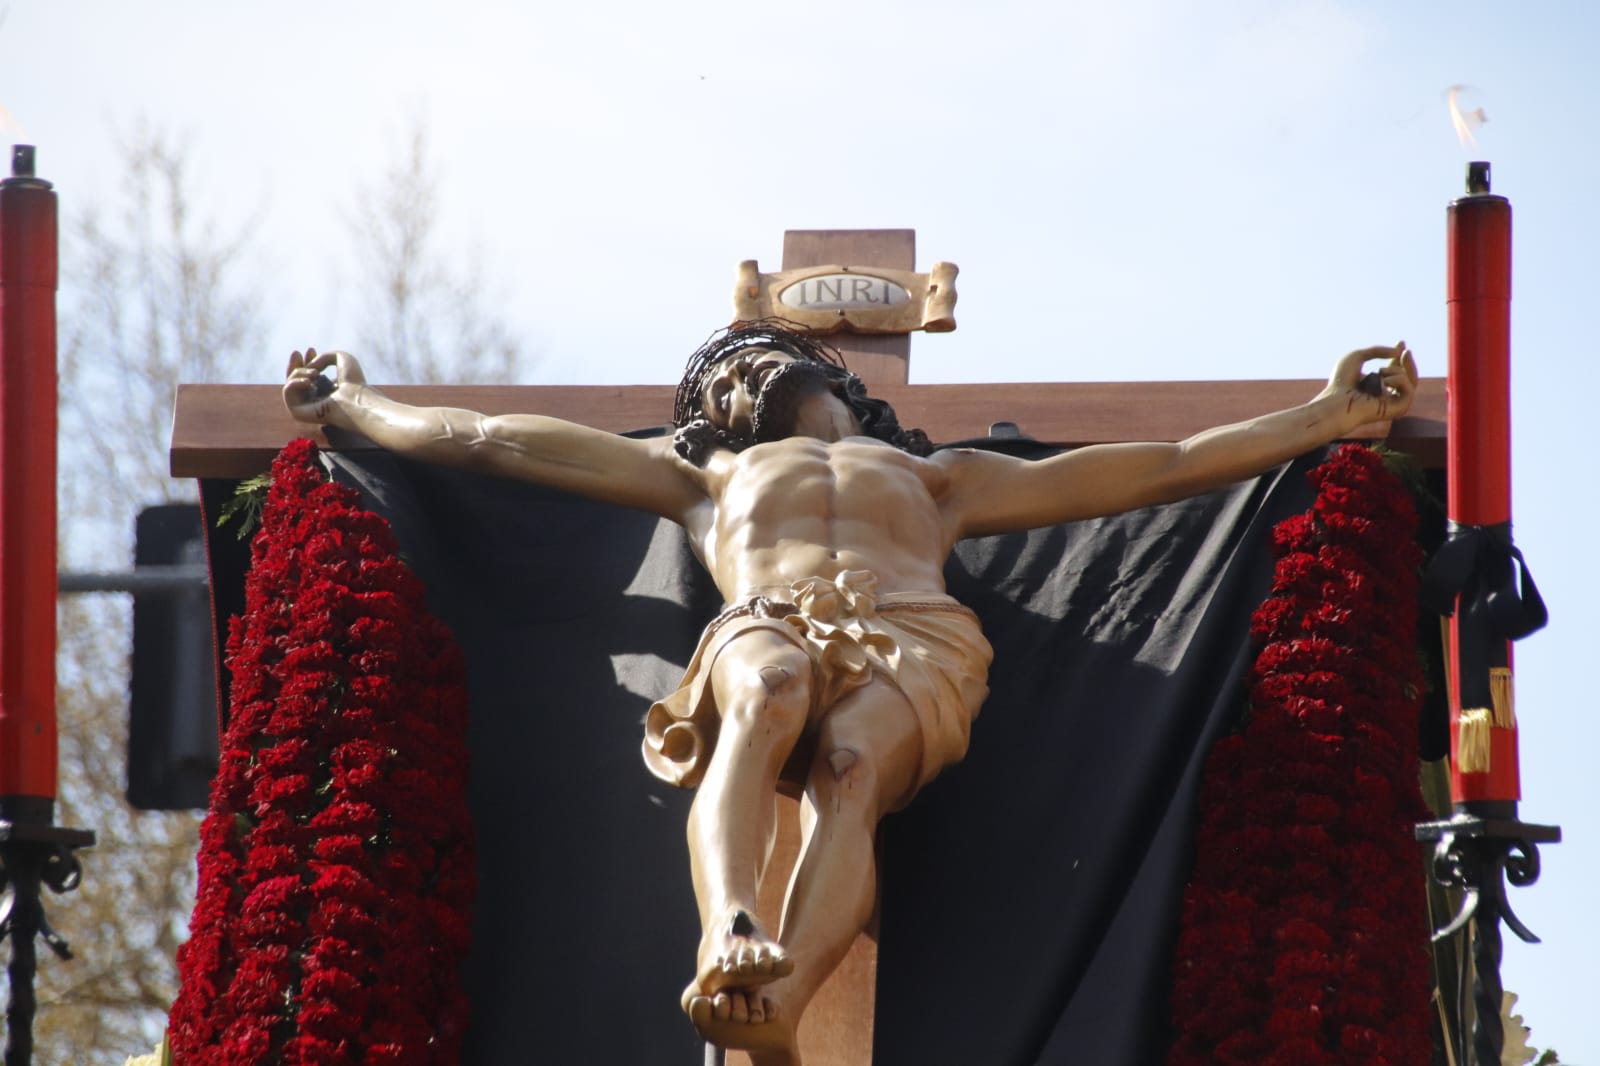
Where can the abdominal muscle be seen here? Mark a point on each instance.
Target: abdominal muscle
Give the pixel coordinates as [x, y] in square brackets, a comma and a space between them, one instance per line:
[800, 508]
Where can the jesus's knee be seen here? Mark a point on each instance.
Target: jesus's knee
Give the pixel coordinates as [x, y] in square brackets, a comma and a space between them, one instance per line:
[769, 695]
[846, 778]
[867, 758]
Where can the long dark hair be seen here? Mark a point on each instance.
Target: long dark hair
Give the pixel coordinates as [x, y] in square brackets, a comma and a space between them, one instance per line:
[698, 437]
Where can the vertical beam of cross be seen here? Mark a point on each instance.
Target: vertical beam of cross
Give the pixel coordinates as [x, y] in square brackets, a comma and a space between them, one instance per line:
[838, 1025]
[878, 360]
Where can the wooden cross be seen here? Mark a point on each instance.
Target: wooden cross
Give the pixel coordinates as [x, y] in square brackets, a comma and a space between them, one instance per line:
[233, 431]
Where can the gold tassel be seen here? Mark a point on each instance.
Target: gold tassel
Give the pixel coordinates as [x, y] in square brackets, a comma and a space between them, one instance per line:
[1472, 740]
[1448, 660]
[1501, 695]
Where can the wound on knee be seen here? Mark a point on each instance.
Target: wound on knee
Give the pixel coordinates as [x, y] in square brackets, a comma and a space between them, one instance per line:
[840, 760]
[774, 677]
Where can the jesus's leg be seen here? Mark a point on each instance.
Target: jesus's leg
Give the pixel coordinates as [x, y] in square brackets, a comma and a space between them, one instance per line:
[762, 686]
[869, 752]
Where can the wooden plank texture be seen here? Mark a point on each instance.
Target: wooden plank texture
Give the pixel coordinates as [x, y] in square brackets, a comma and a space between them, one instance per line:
[233, 431]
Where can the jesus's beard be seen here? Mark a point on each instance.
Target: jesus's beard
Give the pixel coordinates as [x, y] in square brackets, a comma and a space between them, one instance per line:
[777, 406]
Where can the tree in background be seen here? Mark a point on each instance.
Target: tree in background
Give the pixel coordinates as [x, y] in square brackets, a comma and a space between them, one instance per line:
[150, 294]
[422, 319]
[155, 292]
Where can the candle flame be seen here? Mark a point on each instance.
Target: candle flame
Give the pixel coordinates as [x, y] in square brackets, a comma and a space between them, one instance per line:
[9, 126]
[1465, 122]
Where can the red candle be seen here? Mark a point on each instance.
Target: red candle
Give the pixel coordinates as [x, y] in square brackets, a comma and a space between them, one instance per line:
[27, 493]
[1483, 744]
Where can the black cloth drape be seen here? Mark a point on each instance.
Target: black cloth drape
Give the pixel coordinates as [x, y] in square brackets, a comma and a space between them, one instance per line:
[1029, 896]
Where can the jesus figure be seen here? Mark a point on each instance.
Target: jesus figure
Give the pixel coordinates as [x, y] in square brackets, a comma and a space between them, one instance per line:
[839, 666]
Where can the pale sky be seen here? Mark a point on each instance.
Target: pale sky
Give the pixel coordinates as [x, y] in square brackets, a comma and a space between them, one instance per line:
[1151, 189]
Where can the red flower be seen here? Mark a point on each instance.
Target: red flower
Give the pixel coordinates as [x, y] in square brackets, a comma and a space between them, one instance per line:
[338, 809]
[1300, 933]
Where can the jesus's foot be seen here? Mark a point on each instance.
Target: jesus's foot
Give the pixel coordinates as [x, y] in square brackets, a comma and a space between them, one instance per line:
[748, 1019]
[734, 952]
[732, 1008]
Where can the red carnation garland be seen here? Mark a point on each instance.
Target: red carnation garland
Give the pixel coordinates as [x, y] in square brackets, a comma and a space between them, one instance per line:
[336, 863]
[1304, 923]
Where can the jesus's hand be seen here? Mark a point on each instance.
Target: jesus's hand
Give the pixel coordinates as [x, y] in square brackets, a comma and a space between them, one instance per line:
[311, 397]
[1386, 393]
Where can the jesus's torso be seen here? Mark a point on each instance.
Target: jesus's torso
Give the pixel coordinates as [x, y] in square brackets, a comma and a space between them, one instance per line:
[802, 507]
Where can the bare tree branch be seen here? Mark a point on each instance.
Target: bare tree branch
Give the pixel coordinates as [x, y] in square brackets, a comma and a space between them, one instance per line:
[151, 295]
[423, 318]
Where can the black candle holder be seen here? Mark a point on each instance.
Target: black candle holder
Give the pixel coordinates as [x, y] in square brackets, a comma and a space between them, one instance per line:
[34, 854]
[1476, 851]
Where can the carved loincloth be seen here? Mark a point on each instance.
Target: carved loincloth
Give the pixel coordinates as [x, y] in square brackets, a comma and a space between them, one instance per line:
[927, 645]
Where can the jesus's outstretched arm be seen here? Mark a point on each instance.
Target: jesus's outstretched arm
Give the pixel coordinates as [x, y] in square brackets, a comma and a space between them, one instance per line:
[549, 451]
[991, 493]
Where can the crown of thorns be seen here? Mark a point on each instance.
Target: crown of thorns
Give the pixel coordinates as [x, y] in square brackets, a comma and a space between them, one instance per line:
[766, 334]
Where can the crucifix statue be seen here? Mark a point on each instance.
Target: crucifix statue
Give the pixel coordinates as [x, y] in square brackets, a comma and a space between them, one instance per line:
[838, 666]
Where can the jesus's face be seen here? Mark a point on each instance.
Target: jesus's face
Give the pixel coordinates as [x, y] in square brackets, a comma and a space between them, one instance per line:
[731, 393]
[760, 394]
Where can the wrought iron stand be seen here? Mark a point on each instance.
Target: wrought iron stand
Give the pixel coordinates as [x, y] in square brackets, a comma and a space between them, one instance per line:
[1477, 851]
[34, 854]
